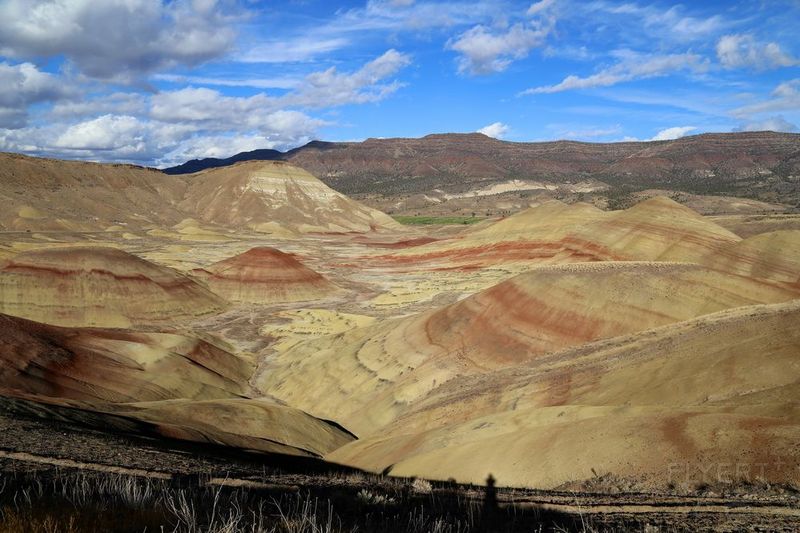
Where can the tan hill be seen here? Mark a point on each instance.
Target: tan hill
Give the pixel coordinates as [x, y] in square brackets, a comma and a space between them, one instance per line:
[178, 386]
[773, 256]
[115, 365]
[660, 409]
[750, 225]
[99, 286]
[656, 229]
[366, 377]
[52, 195]
[261, 195]
[265, 275]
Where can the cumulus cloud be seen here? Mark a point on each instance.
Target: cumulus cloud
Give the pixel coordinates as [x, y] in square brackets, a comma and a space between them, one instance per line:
[670, 134]
[632, 67]
[169, 126]
[498, 130]
[21, 86]
[776, 123]
[586, 133]
[116, 39]
[121, 103]
[108, 132]
[333, 88]
[485, 51]
[743, 51]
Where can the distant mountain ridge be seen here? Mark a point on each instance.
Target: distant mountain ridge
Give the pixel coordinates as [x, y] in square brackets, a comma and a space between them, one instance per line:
[752, 164]
[262, 154]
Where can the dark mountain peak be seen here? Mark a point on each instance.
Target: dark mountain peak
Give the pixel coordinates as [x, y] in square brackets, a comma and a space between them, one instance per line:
[196, 165]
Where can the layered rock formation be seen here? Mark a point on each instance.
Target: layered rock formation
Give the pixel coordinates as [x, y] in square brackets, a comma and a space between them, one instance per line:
[661, 409]
[177, 386]
[268, 195]
[99, 286]
[265, 275]
[368, 376]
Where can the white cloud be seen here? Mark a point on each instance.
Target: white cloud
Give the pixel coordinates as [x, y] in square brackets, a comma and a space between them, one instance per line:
[785, 97]
[632, 67]
[292, 50]
[498, 130]
[116, 39]
[776, 123]
[22, 85]
[670, 134]
[540, 6]
[218, 146]
[108, 132]
[170, 126]
[120, 103]
[485, 51]
[587, 133]
[333, 88]
[669, 24]
[743, 51]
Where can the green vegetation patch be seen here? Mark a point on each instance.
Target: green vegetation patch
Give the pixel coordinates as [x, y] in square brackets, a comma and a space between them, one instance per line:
[428, 220]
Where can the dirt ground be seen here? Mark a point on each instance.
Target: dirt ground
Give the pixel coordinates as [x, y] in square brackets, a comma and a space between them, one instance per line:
[30, 445]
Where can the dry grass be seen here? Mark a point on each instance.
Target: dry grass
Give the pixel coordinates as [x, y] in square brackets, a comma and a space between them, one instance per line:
[94, 502]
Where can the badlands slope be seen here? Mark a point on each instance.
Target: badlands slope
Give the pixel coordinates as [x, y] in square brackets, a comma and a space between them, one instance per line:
[272, 197]
[178, 386]
[657, 229]
[99, 286]
[265, 275]
[367, 377]
[266, 196]
[662, 408]
[536, 348]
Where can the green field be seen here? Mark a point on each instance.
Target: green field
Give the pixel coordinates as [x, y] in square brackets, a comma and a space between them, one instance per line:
[427, 220]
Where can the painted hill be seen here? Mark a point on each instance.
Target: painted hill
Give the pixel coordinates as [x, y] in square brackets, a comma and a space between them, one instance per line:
[114, 365]
[99, 286]
[277, 198]
[652, 410]
[51, 194]
[178, 386]
[264, 275]
[367, 377]
[263, 195]
[656, 229]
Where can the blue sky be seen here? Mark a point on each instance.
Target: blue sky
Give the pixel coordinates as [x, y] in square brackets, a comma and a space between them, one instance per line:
[157, 82]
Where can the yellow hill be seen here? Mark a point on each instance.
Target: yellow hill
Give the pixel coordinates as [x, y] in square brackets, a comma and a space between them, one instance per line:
[99, 286]
[662, 408]
[265, 275]
[257, 194]
[367, 377]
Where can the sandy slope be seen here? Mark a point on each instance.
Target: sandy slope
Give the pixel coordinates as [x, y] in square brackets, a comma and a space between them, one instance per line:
[681, 404]
[272, 196]
[657, 229]
[181, 386]
[99, 286]
[367, 377]
[264, 275]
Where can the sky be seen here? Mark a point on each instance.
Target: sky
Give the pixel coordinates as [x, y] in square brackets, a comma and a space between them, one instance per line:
[158, 82]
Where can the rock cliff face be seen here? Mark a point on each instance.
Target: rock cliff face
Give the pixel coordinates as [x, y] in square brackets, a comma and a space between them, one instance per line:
[701, 163]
